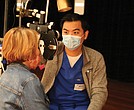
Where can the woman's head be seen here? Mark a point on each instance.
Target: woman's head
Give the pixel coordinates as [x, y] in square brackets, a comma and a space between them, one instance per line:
[20, 45]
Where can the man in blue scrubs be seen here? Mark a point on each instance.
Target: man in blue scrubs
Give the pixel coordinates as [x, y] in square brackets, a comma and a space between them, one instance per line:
[76, 77]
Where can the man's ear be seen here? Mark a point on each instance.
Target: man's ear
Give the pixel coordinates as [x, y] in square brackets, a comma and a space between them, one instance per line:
[86, 34]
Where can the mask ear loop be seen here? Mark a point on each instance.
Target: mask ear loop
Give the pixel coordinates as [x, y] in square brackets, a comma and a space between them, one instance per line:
[82, 40]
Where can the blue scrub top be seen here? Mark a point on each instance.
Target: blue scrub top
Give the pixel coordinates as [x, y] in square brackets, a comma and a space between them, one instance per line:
[62, 95]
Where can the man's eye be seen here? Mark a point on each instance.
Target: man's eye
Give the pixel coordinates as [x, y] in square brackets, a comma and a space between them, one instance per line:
[65, 32]
[76, 33]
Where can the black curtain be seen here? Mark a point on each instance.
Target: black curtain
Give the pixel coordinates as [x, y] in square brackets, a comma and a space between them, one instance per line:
[2, 17]
[113, 36]
[111, 32]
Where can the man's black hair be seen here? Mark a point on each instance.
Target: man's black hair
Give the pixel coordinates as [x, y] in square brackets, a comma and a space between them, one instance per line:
[75, 17]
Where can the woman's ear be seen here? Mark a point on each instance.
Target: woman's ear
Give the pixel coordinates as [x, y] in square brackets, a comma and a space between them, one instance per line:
[86, 34]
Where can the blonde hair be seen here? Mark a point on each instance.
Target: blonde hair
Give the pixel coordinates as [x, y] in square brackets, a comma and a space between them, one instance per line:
[20, 44]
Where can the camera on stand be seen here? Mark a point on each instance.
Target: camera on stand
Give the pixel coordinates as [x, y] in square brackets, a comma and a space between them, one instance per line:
[48, 35]
[48, 38]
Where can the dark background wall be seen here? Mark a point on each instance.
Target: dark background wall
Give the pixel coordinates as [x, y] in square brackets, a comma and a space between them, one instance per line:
[111, 31]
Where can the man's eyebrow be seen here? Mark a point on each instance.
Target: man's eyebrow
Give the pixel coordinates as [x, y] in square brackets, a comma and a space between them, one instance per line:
[76, 29]
[73, 30]
[65, 29]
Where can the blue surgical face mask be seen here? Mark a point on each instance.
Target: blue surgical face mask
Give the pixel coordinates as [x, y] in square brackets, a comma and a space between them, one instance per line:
[71, 42]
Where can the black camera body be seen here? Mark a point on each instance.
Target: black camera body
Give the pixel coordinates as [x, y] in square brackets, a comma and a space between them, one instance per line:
[48, 39]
